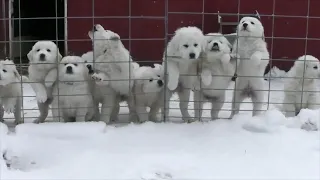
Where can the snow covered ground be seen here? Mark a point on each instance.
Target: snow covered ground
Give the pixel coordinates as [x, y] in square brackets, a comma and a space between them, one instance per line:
[266, 147]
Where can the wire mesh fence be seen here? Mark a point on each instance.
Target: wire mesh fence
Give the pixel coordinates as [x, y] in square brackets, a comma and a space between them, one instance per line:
[106, 83]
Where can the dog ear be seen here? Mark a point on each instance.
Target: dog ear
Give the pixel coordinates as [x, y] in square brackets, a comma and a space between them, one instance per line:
[90, 34]
[59, 57]
[30, 55]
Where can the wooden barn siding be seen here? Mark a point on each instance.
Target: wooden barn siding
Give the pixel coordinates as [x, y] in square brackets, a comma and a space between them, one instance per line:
[285, 29]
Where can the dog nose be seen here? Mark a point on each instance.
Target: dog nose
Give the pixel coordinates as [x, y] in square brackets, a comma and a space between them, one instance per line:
[192, 55]
[95, 28]
[89, 66]
[69, 69]
[245, 25]
[42, 56]
[160, 83]
[215, 44]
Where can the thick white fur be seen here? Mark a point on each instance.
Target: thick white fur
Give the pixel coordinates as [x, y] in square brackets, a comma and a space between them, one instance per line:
[181, 68]
[10, 90]
[99, 87]
[252, 50]
[301, 89]
[148, 92]
[115, 62]
[72, 96]
[41, 72]
[216, 71]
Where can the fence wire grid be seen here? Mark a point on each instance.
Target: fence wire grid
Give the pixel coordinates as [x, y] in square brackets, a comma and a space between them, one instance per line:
[16, 44]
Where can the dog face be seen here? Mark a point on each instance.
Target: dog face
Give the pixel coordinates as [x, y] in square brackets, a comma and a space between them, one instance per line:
[8, 72]
[217, 44]
[103, 40]
[311, 64]
[250, 27]
[72, 68]
[188, 43]
[44, 52]
[151, 79]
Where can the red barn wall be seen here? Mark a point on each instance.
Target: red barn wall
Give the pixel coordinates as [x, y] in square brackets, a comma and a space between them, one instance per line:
[4, 35]
[148, 34]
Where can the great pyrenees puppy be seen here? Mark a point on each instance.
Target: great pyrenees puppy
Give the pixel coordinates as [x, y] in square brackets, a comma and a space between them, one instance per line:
[100, 88]
[43, 59]
[114, 61]
[180, 59]
[251, 49]
[148, 92]
[10, 90]
[72, 97]
[301, 89]
[216, 72]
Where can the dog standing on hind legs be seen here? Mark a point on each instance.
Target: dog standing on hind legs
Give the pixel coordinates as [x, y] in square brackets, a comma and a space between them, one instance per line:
[180, 59]
[216, 69]
[252, 50]
[10, 90]
[43, 59]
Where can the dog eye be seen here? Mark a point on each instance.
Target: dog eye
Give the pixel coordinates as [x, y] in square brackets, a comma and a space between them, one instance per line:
[242, 22]
[105, 51]
[38, 50]
[195, 45]
[48, 50]
[252, 23]
[75, 64]
[85, 61]
[158, 75]
[315, 67]
[150, 80]
[209, 41]
[66, 64]
[220, 42]
[4, 70]
[186, 45]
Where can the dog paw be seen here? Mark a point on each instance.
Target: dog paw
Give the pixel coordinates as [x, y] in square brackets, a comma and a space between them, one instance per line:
[172, 84]
[100, 79]
[256, 57]
[42, 97]
[225, 58]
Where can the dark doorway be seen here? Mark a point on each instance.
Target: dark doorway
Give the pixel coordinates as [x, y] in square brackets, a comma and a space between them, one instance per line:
[40, 20]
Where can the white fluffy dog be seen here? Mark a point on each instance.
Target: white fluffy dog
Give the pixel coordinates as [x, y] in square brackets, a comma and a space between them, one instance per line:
[216, 71]
[114, 62]
[251, 49]
[180, 58]
[148, 92]
[99, 86]
[10, 90]
[72, 97]
[301, 89]
[43, 60]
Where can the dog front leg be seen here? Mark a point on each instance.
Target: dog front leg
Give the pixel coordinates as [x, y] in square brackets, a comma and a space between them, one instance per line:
[184, 96]
[43, 108]
[173, 76]
[40, 90]
[206, 77]
[166, 107]
[257, 100]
